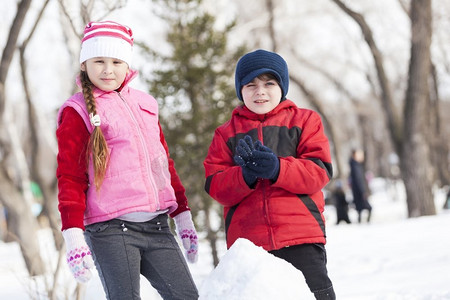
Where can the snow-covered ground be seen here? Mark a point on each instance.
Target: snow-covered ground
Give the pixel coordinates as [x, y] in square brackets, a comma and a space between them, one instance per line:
[393, 258]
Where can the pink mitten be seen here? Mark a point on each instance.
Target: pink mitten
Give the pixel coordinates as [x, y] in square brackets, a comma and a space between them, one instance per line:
[79, 257]
[186, 231]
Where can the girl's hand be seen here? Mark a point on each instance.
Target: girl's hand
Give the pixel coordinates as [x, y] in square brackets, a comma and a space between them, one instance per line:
[188, 235]
[79, 257]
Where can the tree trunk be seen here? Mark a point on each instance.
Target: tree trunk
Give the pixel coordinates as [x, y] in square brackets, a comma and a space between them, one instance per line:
[36, 153]
[415, 159]
[10, 48]
[270, 11]
[439, 146]
[212, 238]
[410, 141]
[392, 117]
[21, 226]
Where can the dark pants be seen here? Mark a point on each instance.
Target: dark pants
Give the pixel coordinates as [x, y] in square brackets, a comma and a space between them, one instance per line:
[123, 250]
[311, 259]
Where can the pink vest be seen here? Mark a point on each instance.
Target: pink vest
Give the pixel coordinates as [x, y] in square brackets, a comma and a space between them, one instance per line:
[137, 177]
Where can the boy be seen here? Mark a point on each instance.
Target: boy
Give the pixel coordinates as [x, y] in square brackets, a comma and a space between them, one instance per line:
[267, 166]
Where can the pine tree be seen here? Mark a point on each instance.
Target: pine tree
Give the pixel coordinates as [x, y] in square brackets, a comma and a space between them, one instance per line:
[194, 86]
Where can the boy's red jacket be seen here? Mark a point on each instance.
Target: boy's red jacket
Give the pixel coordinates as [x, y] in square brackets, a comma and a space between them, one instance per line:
[284, 213]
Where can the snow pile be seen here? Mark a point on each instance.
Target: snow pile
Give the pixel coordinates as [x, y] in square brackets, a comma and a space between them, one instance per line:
[248, 272]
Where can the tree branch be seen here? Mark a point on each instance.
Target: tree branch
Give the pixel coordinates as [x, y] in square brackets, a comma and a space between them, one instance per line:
[393, 121]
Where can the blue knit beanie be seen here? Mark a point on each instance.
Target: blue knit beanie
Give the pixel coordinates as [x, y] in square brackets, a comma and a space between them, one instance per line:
[259, 62]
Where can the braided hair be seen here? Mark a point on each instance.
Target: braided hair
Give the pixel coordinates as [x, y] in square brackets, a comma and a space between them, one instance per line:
[97, 147]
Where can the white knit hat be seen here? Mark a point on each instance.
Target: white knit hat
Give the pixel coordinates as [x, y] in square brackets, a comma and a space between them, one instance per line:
[107, 39]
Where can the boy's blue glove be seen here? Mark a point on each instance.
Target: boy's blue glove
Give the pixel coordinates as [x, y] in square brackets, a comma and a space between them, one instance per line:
[244, 150]
[256, 161]
[243, 157]
[264, 163]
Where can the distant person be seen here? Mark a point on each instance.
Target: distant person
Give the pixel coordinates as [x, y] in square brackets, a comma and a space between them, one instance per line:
[359, 184]
[267, 166]
[340, 202]
[117, 184]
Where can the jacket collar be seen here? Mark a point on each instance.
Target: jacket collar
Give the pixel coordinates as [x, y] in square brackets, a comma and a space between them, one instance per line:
[243, 111]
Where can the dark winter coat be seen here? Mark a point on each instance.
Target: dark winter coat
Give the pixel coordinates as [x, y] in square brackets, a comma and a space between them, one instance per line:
[288, 211]
[359, 185]
[341, 204]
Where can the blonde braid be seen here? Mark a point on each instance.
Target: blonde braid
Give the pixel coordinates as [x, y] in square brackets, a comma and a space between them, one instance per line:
[97, 143]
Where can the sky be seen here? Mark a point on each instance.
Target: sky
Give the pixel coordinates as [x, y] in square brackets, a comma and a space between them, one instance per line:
[392, 258]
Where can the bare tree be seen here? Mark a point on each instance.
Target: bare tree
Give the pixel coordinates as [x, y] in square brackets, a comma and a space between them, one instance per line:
[363, 111]
[309, 94]
[196, 69]
[416, 166]
[22, 225]
[36, 143]
[408, 137]
[439, 146]
[270, 10]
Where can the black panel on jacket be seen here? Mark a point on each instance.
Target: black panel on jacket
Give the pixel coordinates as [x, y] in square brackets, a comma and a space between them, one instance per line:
[282, 140]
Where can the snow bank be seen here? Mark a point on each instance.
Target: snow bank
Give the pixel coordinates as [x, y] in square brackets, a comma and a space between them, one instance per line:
[248, 272]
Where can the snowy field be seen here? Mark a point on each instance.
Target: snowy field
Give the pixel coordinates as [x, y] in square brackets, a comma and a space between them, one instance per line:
[393, 258]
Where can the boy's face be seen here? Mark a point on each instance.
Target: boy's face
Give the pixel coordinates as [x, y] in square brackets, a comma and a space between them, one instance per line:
[105, 73]
[261, 95]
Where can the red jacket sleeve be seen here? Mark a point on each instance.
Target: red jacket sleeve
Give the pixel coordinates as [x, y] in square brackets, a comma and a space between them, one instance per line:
[175, 180]
[73, 137]
[311, 170]
[224, 180]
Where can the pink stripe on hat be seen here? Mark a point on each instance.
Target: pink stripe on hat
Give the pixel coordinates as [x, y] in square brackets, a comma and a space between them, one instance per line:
[108, 28]
[107, 39]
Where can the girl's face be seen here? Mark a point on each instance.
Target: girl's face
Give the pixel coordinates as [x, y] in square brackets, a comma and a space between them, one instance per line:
[105, 73]
[261, 95]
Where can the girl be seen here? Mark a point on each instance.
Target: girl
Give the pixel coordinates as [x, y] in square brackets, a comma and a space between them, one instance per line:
[117, 184]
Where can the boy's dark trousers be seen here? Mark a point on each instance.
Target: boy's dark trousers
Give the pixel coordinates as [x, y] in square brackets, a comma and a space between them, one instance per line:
[311, 259]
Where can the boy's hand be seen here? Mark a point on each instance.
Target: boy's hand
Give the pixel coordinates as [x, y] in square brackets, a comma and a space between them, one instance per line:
[244, 150]
[243, 157]
[260, 147]
[264, 164]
